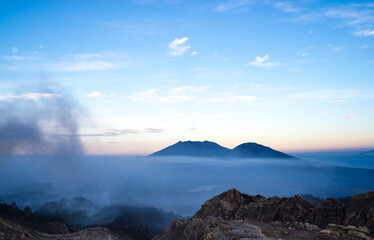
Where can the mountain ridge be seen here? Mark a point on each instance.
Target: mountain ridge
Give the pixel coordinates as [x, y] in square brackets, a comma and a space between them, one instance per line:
[212, 149]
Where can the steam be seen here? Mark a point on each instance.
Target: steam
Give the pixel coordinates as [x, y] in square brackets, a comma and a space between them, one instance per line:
[39, 123]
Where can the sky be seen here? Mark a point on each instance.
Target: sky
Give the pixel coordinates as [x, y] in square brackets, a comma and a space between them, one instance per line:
[293, 75]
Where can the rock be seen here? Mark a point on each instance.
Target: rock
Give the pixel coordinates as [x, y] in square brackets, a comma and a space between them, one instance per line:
[58, 227]
[329, 211]
[12, 231]
[191, 229]
[284, 209]
[345, 232]
[97, 233]
[225, 205]
[233, 230]
[233, 215]
[311, 227]
[360, 211]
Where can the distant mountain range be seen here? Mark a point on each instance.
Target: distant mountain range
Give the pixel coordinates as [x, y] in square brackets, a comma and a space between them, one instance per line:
[212, 149]
[369, 153]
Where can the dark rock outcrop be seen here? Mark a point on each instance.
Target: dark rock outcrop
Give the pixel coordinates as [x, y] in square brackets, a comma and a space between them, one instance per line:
[360, 212]
[225, 205]
[329, 211]
[273, 209]
[233, 215]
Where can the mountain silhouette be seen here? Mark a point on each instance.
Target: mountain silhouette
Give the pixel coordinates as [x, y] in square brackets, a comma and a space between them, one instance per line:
[368, 153]
[194, 149]
[254, 150]
[212, 149]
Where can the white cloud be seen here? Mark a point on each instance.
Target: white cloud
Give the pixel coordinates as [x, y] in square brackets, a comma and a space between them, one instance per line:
[108, 132]
[67, 63]
[154, 130]
[188, 88]
[327, 95]
[99, 94]
[364, 46]
[71, 66]
[112, 132]
[194, 53]
[229, 5]
[230, 99]
[84, 56]
[365, 33]
[182, 94]
[96, 94]
[41, 46]
[335, 48]
[15, 58]
[286, 6]
[351, 15]
[178, 46]
[335, 101]
[349, 116]
[302, 54]
[188, 94]
[14, 50]
[30, 96]
[263, 62]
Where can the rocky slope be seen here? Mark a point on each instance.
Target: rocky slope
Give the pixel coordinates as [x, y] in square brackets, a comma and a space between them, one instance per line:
[10, 230]
[74, 218]
[233, 215]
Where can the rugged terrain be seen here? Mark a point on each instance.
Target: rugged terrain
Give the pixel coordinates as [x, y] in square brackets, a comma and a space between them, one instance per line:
[10, 230]
[80, 219]
[233, 215]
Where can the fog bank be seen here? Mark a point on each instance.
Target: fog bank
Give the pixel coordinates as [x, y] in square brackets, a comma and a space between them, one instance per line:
[179, 184]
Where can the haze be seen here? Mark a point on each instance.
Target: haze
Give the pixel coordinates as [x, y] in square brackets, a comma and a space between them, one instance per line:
[178, 184]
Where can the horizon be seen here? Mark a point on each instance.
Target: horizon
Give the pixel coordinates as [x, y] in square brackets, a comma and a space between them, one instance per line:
[137, 76]
[318, 151]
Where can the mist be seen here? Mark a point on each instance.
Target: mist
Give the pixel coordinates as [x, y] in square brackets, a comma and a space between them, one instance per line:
[39, 145]
[178, 184]
[41, 122]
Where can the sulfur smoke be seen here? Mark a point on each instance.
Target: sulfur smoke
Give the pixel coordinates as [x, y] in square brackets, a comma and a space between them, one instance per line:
[40, 122]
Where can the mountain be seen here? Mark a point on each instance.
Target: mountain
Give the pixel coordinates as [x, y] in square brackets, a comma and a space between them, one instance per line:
[254, 150]
[234, 215]
[212, 149]
[194, 149]
[369, 153]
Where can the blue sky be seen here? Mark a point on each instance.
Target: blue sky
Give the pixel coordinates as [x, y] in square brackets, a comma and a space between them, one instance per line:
[292, 75]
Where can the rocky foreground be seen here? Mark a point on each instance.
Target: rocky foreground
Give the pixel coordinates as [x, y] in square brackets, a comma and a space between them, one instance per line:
[233, 215]
[9, 230]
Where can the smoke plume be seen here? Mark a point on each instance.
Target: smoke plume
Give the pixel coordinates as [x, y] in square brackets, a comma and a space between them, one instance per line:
[40, 122]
